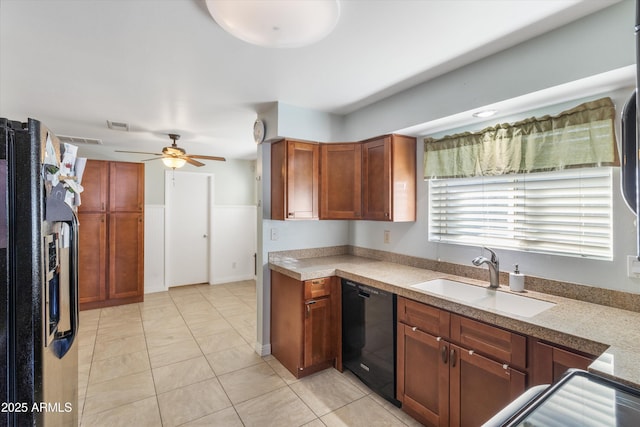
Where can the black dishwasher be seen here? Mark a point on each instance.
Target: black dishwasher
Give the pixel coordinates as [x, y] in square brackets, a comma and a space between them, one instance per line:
[369, 337]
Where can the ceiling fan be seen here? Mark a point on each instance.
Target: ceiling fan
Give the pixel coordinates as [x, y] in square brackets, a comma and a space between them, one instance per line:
[174, 156]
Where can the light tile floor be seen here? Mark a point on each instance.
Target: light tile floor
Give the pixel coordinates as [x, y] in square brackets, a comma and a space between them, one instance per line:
[185, 357]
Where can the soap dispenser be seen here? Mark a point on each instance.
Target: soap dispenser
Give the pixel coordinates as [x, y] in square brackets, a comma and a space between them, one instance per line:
[516, 280]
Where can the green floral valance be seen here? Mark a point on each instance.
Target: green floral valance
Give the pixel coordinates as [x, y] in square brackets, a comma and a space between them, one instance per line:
[581, 137]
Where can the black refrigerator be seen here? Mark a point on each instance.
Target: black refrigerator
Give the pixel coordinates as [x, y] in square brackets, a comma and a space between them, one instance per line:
[630, 171]
[38, 279]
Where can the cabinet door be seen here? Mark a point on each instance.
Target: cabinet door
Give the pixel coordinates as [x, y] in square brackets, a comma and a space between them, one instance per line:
[318, 336]
[423, 376]
[92, 258]
[341, 181]
[302, 180]
[551, 362]
[480, 387]
[126, 185]
[376, 176]
[126, 255]
[95, 181]
[287, 321]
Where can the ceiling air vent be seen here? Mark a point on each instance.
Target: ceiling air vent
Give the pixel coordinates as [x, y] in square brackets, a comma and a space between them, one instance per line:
[79, 140]
[118, 126]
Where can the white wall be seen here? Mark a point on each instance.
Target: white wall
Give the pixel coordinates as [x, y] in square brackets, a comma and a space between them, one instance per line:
[234, 243]
[592, 45]
[153, 248]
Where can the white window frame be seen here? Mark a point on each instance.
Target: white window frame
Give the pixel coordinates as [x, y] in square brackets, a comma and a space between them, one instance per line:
[567, 212]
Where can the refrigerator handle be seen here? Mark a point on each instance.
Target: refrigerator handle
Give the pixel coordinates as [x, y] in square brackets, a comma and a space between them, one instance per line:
[629, 154]
[64, 340]
[630, 165]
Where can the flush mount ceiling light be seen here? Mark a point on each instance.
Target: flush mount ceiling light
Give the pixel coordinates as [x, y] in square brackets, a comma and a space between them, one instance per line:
[485, 113]
[276, 23]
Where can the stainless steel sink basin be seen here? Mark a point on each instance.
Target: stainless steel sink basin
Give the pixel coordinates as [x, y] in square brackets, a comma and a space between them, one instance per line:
[484, 297]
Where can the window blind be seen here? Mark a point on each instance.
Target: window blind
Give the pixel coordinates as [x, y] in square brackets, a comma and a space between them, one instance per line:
[565, 212]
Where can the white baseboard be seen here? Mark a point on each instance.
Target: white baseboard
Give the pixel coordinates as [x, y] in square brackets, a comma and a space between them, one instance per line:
[263, 350]
[229, 279]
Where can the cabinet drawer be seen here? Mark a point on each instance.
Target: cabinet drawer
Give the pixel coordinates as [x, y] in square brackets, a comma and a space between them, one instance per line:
[423, 317]
[317, 288]
[504, 346]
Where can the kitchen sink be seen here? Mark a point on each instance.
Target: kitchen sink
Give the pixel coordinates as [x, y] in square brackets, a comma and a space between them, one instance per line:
[483, 297]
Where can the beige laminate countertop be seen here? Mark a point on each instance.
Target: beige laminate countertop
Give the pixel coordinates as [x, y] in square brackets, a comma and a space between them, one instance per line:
[612, 333]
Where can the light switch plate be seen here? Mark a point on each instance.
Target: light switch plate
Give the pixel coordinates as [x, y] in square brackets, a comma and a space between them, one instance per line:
[274, 234]
[387, 236]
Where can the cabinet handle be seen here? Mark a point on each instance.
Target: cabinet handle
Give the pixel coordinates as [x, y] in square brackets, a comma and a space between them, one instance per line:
[444, 354]
[102, 205]
[386, 214]
[452, 357]
[415, 328]
[291, 214]
[505, 367]
[471, 352]
[308, 304]
[317, 282]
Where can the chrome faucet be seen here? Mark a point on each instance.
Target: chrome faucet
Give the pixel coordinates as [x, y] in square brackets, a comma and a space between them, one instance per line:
[494, 268]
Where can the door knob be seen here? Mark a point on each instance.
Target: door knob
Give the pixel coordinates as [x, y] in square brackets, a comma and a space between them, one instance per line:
[204, 235]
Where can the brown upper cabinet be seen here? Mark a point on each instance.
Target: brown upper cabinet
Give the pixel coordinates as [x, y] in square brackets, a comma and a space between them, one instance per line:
[341, 181]
[389, 178]
[127, 187]
[96, 180]
[373, 179]
[294, 179]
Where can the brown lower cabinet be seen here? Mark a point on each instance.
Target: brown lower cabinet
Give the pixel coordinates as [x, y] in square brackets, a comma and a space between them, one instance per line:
[451, 370]
[111, 267]
[305, 323]
[551, 361]
[442, 383]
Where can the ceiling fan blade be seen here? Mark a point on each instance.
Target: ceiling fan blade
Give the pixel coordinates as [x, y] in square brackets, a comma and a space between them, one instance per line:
[153, 158]
[192, 162]
[138, 152]
[197, 156]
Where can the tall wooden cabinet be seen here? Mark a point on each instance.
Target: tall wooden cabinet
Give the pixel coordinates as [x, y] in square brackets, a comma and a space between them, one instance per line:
[111, 252]
[294, 179]
[304, 323]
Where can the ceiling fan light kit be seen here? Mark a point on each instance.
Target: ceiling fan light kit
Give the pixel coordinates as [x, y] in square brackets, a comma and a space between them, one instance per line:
[276, 23]
[173, 162]
[175, 157]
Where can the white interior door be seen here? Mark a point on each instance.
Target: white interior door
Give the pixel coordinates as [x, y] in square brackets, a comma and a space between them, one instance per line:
[189, 201]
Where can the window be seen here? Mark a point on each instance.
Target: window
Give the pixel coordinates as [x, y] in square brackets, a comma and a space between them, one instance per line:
[567, 212]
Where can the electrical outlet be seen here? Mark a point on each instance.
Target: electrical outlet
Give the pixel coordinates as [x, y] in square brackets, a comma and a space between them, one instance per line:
[633, 267]
[275, 235]
[387, 236]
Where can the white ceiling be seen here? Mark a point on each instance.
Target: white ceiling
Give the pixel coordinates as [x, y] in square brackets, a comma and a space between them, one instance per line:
[166, 66]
